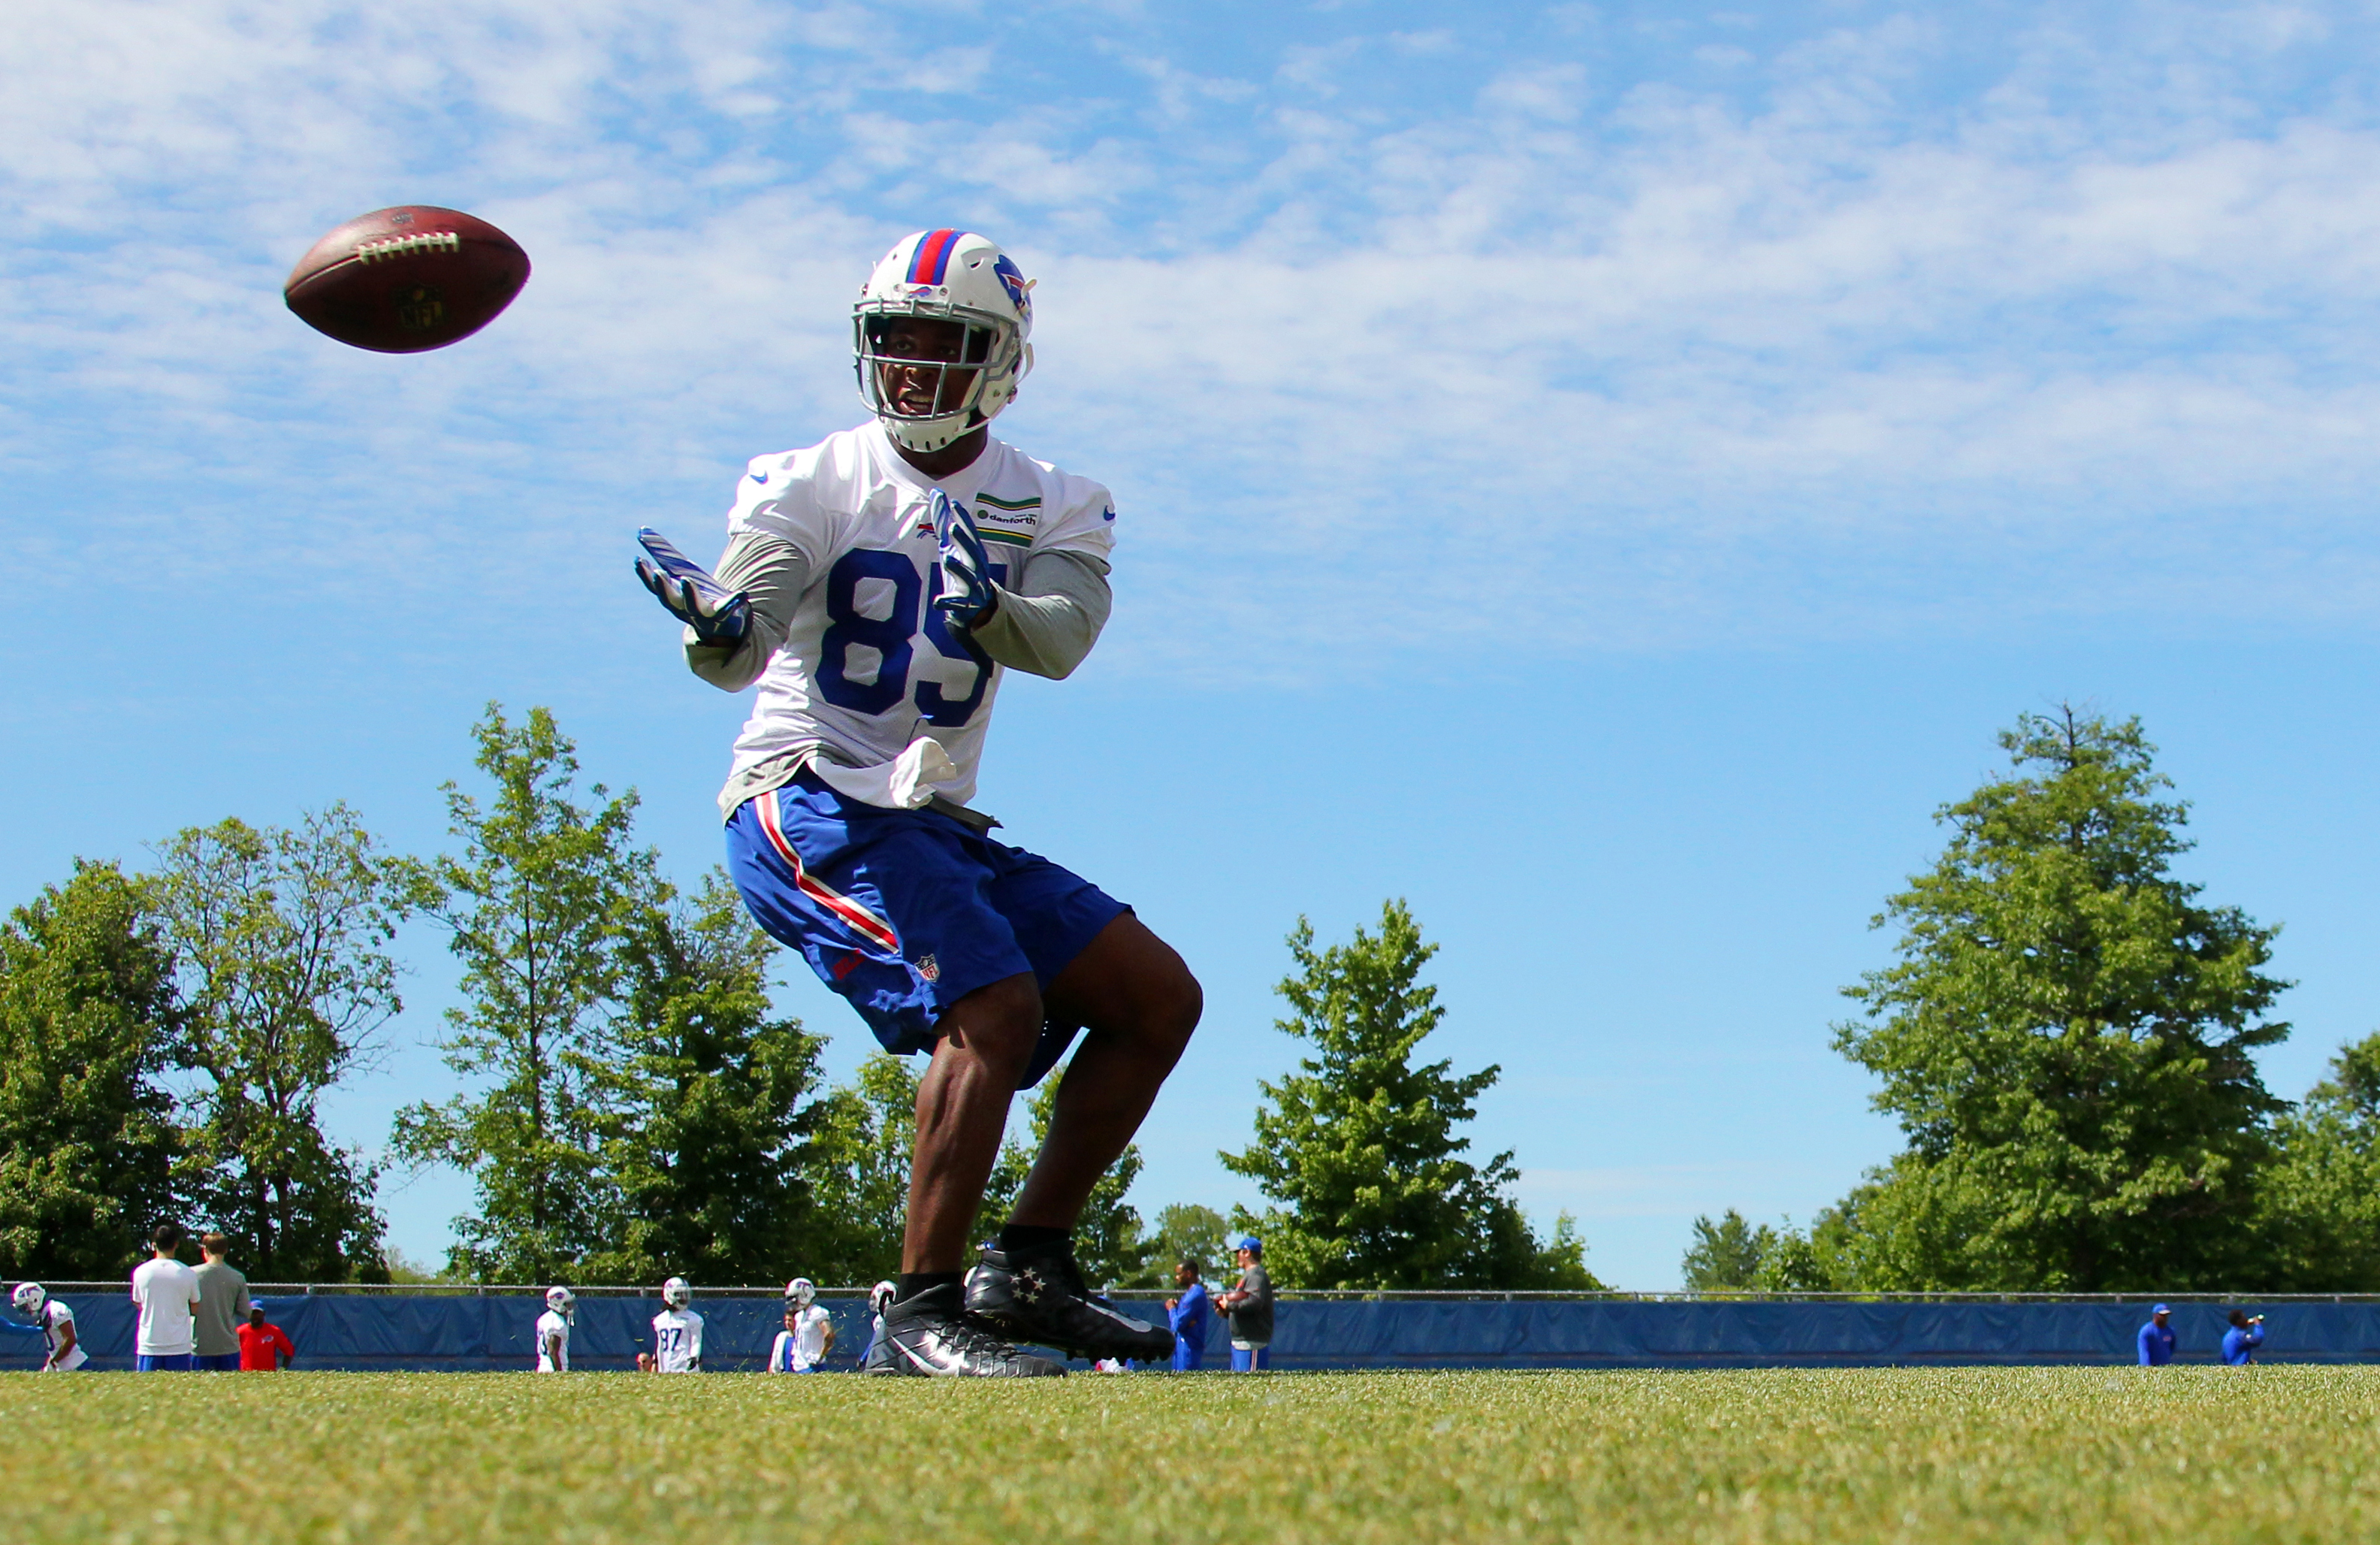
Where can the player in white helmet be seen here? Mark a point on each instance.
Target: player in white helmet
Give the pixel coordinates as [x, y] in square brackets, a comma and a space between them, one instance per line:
[874, 588]
[879, 1298]
[554, 1330]
[808, 1335]
[678, 1330]
[52, 1321]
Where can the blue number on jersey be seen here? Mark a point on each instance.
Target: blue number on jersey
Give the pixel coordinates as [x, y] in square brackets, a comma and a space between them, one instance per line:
[890, 636]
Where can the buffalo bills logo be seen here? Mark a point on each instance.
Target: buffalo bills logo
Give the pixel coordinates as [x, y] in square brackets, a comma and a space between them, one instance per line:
[1018, 285]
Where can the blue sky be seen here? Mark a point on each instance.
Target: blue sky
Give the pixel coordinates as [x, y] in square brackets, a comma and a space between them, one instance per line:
[1603, 473]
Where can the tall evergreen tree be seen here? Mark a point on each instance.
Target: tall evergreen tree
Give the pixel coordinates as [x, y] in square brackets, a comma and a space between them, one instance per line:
[88, 1145]
[539, 904]
[279, 939]
[2066, 1037]
[1359, 1148]
[706, 1152]
[1726, 1255]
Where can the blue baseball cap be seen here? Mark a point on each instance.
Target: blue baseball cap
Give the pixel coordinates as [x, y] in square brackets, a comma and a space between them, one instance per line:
[2159, 1309]
[1251, 1244]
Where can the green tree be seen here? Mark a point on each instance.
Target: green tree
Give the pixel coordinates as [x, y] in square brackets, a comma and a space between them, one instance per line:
[858, 1169]
[1726, 1256]
[1359, 1148]
[1184, 1231]
[704, 1147]
[1109, 1244]
[540, 904]
[2320, 1196]
[2066, 1037]
[87, 1146]
[278, 937]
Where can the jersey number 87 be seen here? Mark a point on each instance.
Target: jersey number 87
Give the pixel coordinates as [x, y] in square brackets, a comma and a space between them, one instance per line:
[890, 636]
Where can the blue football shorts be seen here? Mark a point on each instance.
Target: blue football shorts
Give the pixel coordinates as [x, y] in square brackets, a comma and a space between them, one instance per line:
[905, 912]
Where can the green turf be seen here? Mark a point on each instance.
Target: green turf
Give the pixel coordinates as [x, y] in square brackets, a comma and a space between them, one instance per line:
[2169, 1454]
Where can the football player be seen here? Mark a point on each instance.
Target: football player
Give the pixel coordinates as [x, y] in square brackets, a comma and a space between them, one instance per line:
[808, 1335]
[554, 1330]
[875, 587]
[54, 1322]
[678, 1330]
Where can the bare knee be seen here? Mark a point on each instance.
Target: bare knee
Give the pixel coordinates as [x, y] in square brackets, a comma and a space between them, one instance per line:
[1171, 1002]
[996, 1025]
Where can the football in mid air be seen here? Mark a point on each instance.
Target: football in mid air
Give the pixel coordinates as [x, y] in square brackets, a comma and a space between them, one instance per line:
[402, 280]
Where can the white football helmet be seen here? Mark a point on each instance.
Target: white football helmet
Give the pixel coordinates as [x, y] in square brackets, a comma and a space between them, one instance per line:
[559, 1300]
[676, 1294]
[30, 1297]
[950, 277]
[800, 1291]
[879, 1297]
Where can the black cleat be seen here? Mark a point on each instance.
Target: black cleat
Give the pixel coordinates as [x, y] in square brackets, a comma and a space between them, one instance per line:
[929, 1336]
[1041, 1298]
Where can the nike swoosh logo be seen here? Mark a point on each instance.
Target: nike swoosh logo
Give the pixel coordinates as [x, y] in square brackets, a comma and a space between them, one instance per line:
[763, 477]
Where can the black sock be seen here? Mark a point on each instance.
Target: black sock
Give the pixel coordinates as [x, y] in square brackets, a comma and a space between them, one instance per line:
[1034, 1240]
[914, 1283]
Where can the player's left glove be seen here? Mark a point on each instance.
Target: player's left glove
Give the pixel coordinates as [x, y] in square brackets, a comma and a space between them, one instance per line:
[716, 615]
[966, 572]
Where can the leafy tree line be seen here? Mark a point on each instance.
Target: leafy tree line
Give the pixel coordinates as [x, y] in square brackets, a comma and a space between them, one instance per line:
[630, 1105]
[2066, 1036]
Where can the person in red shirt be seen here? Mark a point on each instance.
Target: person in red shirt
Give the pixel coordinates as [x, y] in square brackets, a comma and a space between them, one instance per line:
[264, 1348]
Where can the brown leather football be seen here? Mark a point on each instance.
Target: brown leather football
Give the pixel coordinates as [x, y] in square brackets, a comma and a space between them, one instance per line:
[403, 280]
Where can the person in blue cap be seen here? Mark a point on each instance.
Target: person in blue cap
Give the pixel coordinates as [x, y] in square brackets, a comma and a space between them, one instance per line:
[2246, 1334]
[1249, 1310]
[2157, 1338]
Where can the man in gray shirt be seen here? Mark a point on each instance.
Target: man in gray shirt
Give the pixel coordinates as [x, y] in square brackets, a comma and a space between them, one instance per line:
[223, 1307]
[1248, 1308]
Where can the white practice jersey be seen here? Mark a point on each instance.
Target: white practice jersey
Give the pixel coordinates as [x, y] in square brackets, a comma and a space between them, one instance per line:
[56, 1319]
[550, 1325]
[867, 670]
[809, 1338]
[677, 1341]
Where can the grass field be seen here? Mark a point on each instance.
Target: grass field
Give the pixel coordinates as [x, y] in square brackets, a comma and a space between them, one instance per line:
[2169, 1454]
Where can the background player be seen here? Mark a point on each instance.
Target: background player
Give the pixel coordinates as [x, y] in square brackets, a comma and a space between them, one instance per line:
[678, 1330]
[554, 1330]
[874, 587]
[54, 1322]
[808, 1335]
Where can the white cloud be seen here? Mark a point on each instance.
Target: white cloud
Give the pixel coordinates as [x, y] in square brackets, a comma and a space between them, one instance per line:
[1381, 374]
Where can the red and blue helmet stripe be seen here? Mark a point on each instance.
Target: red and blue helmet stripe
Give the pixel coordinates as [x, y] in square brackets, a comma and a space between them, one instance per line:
[932, 260]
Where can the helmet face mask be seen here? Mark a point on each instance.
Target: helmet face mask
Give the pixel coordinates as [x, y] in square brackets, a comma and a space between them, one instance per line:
[939, 337]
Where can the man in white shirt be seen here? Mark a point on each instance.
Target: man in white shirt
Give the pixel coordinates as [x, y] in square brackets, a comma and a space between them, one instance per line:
[678, 1330]
[554, 1330]
[874, 588]
[168, 1294]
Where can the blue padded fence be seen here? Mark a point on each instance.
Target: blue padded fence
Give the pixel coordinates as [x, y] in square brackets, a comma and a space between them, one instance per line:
[467, 1331]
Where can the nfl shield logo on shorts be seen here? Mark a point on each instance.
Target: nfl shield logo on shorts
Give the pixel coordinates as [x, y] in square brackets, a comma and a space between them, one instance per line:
[928, 969]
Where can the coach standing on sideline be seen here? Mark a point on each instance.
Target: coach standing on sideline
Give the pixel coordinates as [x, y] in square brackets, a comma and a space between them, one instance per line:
[167, 1292]
[1187, 1315]
[223, 1307]
[2239, 1343]
[2157, 1338]
[1249, 1309]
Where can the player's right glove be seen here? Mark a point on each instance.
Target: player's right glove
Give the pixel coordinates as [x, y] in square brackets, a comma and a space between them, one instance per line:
[966, 571]
[716, 615]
